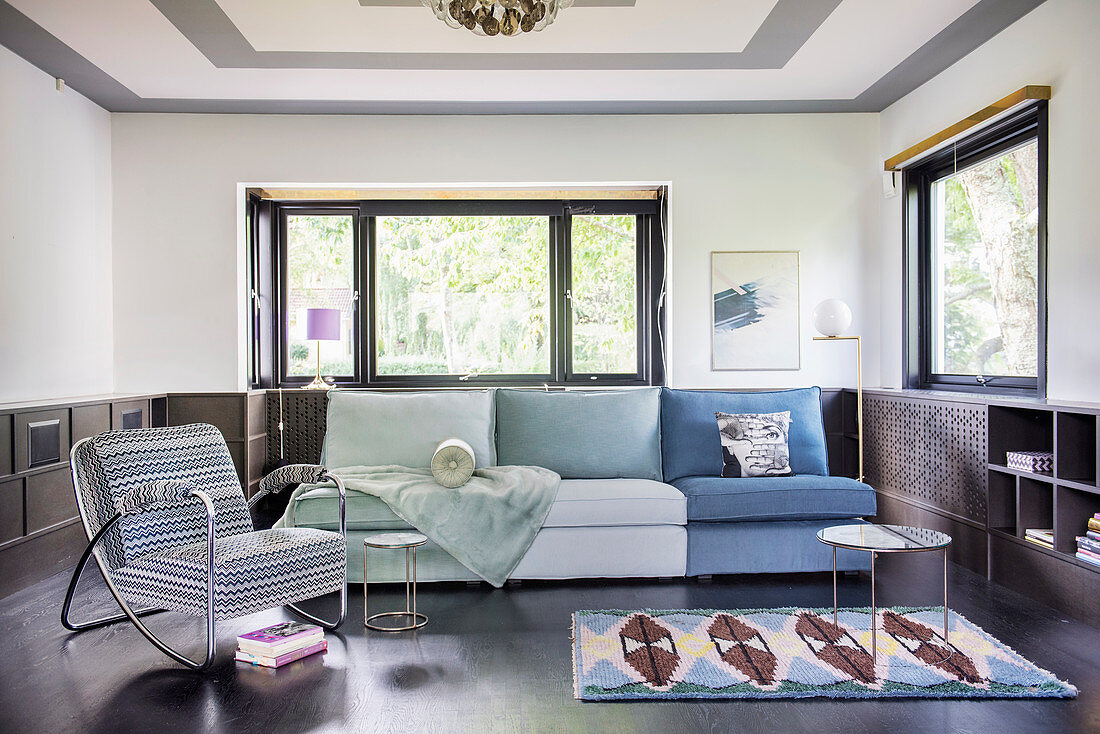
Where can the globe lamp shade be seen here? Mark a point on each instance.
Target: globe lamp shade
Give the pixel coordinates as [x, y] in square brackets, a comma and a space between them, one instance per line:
[832, 317]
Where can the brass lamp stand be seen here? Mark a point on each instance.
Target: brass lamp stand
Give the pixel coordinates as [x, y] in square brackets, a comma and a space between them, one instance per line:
[859, 389]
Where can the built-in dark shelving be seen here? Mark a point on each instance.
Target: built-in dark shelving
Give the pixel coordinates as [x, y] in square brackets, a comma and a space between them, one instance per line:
[1063, 499]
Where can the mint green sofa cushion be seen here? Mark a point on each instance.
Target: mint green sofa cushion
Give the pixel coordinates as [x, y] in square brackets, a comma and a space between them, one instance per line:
[582, 434]
[403, 429]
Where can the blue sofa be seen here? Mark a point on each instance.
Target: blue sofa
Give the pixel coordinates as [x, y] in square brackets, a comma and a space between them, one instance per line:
[756, 524]
[641, 492]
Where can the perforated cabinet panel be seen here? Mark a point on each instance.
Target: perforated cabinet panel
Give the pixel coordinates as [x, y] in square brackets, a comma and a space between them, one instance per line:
[303, 423]
[934, 452]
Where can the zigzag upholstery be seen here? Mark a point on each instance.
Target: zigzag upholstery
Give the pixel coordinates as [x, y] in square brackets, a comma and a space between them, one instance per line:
[252, 571]
[158, 554]
[115, 462]
[164, 492]
[285, 476]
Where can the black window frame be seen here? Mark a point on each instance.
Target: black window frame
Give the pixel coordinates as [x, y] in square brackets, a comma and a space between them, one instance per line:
[1015, 129]
[650, 263]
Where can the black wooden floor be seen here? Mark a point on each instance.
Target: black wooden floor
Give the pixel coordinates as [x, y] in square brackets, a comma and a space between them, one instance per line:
[498, 660]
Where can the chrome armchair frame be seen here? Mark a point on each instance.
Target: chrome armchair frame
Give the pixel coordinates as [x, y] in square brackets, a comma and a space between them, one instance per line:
[128, 613]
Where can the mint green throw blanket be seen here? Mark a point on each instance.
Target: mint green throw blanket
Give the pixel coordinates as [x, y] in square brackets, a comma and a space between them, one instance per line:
[487, 524]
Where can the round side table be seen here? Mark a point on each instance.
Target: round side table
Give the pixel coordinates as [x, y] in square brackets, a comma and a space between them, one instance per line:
[395, 541]
[875, 539]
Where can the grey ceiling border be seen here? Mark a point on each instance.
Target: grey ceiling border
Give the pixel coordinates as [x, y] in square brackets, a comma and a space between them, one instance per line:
[784, 31]
[987, 18]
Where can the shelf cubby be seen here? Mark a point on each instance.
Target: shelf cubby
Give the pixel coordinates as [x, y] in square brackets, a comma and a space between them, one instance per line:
[1018, 429]
[1002, 502]
[1075, 447]
[1073, 508]
[1034, 505]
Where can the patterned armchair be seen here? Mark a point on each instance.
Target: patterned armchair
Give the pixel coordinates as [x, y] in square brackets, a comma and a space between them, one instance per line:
[169, 528]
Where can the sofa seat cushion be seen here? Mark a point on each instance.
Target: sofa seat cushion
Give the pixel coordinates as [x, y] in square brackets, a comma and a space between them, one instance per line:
[607, 502]
[580, 503]
[802, 497]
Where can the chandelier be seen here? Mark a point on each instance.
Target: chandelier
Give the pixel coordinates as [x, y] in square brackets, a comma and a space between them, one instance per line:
[493, 17]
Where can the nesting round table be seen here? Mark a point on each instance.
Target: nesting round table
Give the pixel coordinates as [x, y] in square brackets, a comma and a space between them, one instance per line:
[408, 542]
[876, 539]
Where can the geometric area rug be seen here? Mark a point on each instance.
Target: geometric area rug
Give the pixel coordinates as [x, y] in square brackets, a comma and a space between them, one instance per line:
[795, 653]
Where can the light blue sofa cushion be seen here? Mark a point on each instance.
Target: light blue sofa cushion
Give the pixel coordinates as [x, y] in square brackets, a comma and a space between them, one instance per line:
[376, 429]
[582, 435]
[689, 430]
[803, 497]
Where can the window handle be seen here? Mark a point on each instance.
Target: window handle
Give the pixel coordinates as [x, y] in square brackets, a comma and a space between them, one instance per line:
[466, 377]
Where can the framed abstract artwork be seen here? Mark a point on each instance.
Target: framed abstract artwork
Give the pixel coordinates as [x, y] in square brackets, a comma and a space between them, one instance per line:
[755, 311]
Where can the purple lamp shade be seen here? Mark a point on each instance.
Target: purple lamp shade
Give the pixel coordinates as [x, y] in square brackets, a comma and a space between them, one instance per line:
[323, 324]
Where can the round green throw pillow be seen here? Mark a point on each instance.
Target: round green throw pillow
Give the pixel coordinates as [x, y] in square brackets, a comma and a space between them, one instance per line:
[453, 462]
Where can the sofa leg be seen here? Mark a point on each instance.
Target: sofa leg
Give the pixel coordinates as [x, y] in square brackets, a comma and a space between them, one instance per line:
[473, 584]
[514, 583]
[850, 574]
[705, 578]
[666, 579]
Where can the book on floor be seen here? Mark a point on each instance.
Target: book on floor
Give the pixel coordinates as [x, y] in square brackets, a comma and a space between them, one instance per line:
[275, 662]
[280, 639]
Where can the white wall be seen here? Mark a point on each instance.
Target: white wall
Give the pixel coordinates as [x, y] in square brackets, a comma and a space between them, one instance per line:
[55, 224]
[1055, 44]
[803, 182]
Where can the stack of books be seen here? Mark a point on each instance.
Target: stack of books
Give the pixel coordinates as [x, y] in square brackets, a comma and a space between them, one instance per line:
[1040, 536]
[280, 644]
[1088, 545]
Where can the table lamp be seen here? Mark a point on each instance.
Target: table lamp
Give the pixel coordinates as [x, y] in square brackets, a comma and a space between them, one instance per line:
[322, 324]
[831, 318]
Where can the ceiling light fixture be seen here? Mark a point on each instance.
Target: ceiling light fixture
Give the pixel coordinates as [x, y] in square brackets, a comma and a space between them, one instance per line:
[497, 17]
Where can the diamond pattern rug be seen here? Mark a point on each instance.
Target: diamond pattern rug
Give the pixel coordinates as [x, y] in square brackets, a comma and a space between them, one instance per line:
[796, 653]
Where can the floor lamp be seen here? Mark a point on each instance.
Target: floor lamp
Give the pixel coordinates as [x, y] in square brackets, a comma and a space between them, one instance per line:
[322, 324]
[831, 318]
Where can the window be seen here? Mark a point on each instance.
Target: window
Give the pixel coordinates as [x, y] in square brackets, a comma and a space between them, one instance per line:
[602, 306]
[976, 230]
[466, 293]
[319, 272]
[463, 295]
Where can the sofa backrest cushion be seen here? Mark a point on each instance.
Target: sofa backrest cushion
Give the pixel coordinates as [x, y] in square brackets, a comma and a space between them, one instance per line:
[376, 429]
[582, 435]
[689, 430]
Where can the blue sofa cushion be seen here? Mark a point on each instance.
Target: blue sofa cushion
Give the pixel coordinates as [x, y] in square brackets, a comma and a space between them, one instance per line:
[689, 433]
[803, 497]
[582, 435]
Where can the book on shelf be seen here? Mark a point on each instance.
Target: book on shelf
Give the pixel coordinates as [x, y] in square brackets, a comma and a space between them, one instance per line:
[1038, 542]
[1092, 534]
[1091, 554]
[1044, 534]
[1088, 558]
[290, 657]
[279, 639]
[1094, 524]
[1088, 544]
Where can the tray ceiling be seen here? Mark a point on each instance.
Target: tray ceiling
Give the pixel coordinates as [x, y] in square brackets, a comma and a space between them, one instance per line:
[394, 56]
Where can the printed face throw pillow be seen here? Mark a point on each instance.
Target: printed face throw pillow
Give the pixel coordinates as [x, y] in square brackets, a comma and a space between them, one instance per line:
[755, 444]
